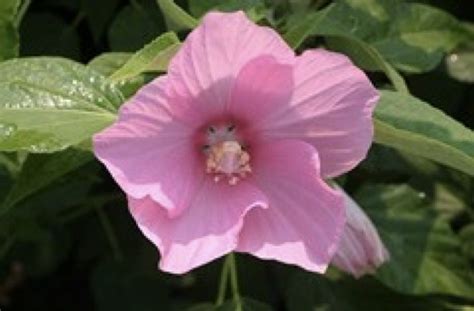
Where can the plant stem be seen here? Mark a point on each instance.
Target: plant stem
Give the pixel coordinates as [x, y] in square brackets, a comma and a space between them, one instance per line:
[234, 282]
[21, 12]
[223, 282]
[110, 233]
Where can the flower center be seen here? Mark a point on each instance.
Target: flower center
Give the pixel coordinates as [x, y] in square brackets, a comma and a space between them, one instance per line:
[226, 156]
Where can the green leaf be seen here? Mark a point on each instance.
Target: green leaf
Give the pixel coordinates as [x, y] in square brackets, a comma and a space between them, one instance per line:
[361, 53]
[176, 18]
[460, 65]
[40, 170]
[367, 57]
[304, 27]
[9, 38]
[153, 57]
[425, 255]
[411, 37]
[48, 104]
[415, 28]
[108, 63]
[467, 239]
[133, 27]
[406, 123]
[314, 292]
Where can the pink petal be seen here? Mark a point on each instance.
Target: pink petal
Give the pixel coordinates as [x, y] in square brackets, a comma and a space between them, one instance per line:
[213, 53]
[262, 85]
[205, 231]
[361, 251]
[331, 109]
[305, 217]
[149, 153]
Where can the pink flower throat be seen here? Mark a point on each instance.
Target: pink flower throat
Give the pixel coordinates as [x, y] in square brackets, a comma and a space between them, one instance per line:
[226, 156]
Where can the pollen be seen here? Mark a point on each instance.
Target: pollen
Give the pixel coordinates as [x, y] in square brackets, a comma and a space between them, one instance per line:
[228, 160]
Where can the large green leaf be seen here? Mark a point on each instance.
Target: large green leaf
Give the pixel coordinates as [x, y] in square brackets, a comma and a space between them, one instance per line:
[153, 57]
[426, 255]
[410, 36]
[48, 104]
[406, 123]
[40, 170]
[9, 39]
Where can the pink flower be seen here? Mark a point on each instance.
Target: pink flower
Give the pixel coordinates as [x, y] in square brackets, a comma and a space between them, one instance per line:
[360, 250]
[228, 151]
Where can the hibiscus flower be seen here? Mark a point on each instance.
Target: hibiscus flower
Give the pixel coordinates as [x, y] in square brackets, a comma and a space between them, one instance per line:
[229, 151]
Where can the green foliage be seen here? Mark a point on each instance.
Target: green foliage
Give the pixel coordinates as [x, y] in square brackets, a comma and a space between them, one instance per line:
[134, 26]
[153, 57]
[461, 65]
[39, 171]
[408, 124]
[255, 9]
[65, 226]
[412, 37]
[426, 255]
[9, 39]
[176, 18]
[48, 104]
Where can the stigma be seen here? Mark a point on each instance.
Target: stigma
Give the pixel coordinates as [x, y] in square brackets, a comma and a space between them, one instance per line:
[228, 160]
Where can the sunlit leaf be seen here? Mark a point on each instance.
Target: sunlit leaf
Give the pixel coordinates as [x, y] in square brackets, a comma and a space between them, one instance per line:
[411, 37]
[48, 104]
[407, 123]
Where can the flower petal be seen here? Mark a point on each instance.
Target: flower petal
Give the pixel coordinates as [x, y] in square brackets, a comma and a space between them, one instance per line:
[305, 217]
[262, 85]
[215, 51]
[331, 109]
[205, 231]
[360, 251]
[149, 153]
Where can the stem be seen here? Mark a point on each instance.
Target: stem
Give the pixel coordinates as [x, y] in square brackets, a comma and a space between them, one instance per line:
[234, 282]
[110, 233]
[21, 12]
[223, 282]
